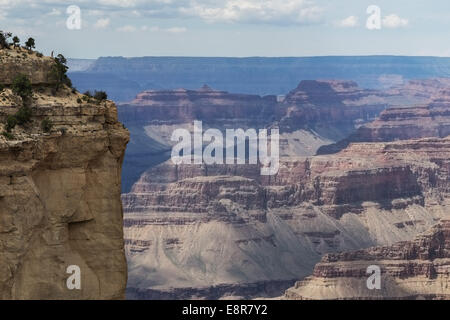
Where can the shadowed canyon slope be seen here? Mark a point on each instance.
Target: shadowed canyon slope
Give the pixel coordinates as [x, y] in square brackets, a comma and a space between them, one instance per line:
[60, 189]
[226, 231]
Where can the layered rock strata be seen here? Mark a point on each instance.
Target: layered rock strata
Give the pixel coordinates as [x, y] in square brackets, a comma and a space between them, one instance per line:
[403, 123]
[60, 192]
[417, 269]
[199, 226]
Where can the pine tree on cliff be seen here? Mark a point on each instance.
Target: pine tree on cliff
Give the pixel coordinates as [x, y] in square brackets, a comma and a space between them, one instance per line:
[4, 36]
[16, 41]
[59, 71]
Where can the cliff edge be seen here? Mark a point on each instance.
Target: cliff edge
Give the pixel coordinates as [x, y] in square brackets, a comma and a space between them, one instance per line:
[60, 178]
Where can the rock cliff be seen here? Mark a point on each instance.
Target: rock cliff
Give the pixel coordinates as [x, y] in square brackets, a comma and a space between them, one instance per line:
[316, 113]
[59, 190]
[36, 68]
[402, 123]
[417, 269]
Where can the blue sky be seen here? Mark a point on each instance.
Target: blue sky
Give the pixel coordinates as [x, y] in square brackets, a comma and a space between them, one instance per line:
[231, 27]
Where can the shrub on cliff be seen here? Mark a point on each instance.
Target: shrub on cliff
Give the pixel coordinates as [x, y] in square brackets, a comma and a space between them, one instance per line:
[23, 115]
[46, 125]
[7, 135]
[19, 118]
[11, 122]
[100, 95]
[22, 86]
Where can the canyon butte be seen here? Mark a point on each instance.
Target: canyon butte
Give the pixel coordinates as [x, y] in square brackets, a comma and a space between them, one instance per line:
[60, 180]
[359, 169]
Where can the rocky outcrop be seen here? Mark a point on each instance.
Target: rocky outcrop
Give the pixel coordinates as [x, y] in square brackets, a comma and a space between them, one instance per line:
[403, 123]
[321, 103]
[417, 269]
[36, 68]
[60, 194]
[205, 104]
[425, 89]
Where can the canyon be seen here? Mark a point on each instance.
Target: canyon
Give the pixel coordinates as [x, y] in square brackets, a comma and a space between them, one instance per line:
[225, 231]
[315, 114]
[363, 180]
[60, 189]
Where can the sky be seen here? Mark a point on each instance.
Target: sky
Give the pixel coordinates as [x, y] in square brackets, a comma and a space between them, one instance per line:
[231, 28]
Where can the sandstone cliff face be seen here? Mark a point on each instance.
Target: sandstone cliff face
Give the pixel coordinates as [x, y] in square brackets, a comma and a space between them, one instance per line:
[417, 269]
[17, 61]
[60, 196]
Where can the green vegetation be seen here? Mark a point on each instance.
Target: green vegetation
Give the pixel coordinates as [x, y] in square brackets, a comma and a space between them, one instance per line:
[100, 95]
[7, 135]
[11, 122]
[16, 41]
[96, 98]
[59, 72]
[4, 36]
[46, 125]
[23, 115]
[22, 86]
[30, 44]
[5, 44]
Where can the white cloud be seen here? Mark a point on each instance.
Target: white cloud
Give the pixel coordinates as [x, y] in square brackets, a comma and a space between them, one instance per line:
[394, 21]
[348, 22]
[282, 12]
[259, 11]
[176, 30]
[102, 23]
[127, 28]
[54, 12]
[95, 13]
[119, 3]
